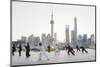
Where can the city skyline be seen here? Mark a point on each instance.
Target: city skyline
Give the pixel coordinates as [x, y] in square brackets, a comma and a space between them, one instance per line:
[30, 22]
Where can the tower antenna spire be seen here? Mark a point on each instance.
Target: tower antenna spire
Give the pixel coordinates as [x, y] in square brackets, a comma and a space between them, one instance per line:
[52, 14]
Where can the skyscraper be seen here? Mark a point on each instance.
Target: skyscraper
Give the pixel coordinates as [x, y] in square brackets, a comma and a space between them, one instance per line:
[73, 38]
[92, 41]
[92, 38]
[55, 38]
[48, 39]
[89, 42]
[75, 27]
[85, 41]
[79, 40]
[67, 34]
[74, 33]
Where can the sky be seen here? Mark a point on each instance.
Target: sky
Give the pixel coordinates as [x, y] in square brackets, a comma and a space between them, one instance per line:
[34, 18]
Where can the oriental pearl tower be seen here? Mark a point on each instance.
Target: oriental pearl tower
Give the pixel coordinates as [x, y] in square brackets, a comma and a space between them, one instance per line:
[52, 29]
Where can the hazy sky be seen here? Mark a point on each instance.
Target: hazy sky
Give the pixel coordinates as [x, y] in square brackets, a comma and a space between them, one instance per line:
[34, 18]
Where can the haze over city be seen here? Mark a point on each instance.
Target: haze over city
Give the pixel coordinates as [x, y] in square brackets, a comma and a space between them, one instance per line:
[34, 18]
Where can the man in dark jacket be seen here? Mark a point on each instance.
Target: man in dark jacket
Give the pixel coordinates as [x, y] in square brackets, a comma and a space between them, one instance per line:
[20, 49]
[49, 48]
[70, 50]
[27, 50]
[13, 49]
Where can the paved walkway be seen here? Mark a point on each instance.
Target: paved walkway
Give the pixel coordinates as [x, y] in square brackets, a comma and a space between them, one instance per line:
[63, 57]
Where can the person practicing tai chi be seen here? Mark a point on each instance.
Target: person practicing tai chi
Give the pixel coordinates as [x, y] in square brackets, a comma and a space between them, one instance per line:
[42, 52]
[48, 48]
[70, 50]
[77, 47]
[27, 50]
[13, 49]
[57, 52]
[20, 49]
[83, 49]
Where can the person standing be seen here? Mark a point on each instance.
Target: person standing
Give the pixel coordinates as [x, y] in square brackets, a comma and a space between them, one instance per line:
[13, 49]
[42, 52]
[27, 50]
[57, 52]
[48, 48]
[20, 49]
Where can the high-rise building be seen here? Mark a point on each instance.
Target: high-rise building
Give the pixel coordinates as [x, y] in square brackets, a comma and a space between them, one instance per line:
[92, 41]
[44, 40]
[89, 42]
[73, 41]
[92, 38]
[85, 41]
[55, 38]
[23, 38]
[36, 42]
[74, 34]
[23, 41]
[31, 41]
[67, 34]
[79, 40]
[48, 39]
[75, 27]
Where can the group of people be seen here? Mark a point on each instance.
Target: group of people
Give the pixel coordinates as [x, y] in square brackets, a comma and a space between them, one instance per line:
[42, 52]
[71, 50]
[27, 47]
